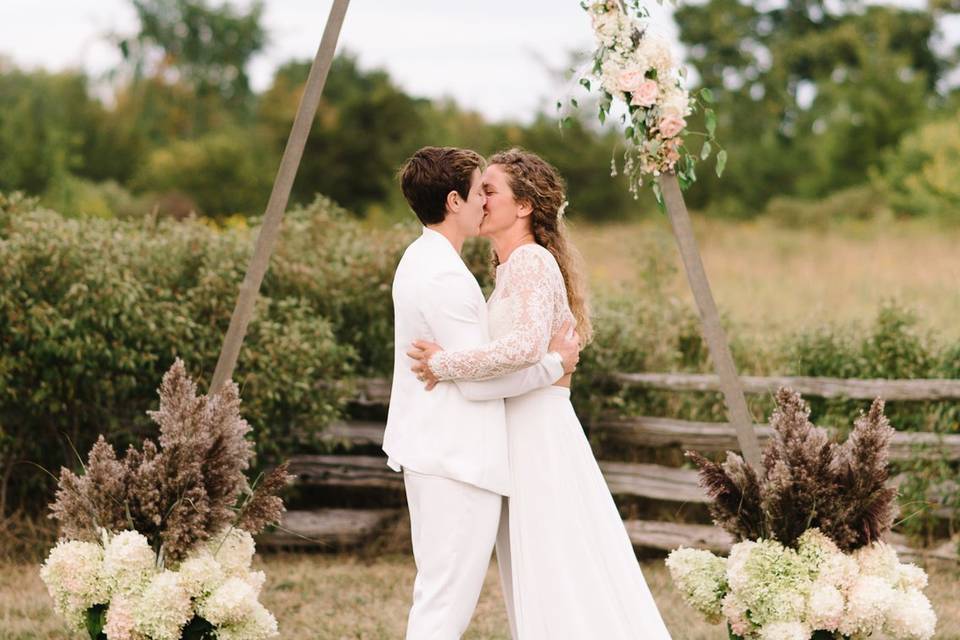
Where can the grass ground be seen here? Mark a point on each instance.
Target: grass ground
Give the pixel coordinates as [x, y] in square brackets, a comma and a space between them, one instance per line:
[323, 597]
[770, 279]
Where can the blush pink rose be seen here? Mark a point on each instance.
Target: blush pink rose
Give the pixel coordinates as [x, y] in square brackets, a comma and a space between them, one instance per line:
[646, 94]
[671, 126]
[630, 80]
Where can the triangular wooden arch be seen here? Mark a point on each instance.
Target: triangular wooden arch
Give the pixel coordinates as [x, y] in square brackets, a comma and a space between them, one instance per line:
[266, 240]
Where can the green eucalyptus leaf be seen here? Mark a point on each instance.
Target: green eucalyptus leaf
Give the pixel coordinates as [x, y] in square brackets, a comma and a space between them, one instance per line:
[721, 162]
[96, 619]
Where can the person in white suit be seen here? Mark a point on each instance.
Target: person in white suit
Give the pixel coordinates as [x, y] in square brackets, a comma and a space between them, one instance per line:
[451, 442]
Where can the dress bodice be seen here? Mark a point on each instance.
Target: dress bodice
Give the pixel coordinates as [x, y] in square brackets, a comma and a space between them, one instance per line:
[527, 306]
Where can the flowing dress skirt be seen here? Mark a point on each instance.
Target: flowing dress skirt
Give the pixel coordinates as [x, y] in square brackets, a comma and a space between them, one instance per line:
[573, 570]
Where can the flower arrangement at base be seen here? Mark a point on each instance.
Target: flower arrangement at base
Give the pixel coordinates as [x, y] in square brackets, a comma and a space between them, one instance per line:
[158, 545]
[809, 559]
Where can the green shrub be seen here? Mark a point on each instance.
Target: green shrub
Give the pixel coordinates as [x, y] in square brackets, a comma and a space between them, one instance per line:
[862, 202]
[224, 172]
[922, 174]
[93, 312]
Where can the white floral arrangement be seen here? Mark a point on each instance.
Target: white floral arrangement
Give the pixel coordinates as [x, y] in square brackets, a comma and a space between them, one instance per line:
[765, 591]
[158, 544]
[118, 589]
[810, 561]
[635, 66]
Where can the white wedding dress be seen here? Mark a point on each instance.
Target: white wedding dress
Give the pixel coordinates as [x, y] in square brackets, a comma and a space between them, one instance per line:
[571, 570]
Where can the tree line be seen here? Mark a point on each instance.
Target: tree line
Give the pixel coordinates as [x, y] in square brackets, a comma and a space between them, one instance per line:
[816, 101]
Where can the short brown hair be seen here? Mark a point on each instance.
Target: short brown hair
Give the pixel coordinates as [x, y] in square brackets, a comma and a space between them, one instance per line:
[430, 174]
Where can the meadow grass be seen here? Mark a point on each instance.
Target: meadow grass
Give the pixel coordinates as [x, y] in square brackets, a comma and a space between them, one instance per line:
[770, 279]
[350, 597]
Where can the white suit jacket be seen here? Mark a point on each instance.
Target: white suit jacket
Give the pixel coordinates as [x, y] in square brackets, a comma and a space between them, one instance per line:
[457, 430]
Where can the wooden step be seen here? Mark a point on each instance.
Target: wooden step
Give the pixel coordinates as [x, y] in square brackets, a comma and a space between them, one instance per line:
[345, 471]
[333, 529]
[354, 433]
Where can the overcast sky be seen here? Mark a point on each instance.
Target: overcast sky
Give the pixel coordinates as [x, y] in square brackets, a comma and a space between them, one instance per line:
[493, 56]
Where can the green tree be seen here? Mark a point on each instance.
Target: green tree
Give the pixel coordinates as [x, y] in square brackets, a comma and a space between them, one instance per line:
[365, 127]
[190, 42]
[46, 123]
[921, 175]
[811, 92]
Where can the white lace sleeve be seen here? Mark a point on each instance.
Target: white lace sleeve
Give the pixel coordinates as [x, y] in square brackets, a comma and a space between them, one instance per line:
[530, 284]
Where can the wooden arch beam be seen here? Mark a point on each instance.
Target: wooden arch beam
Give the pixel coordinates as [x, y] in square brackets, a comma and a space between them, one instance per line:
[279, 196]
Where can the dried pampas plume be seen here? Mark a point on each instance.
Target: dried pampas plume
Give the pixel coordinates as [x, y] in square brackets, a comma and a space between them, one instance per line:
[806, 481]
[184, 490]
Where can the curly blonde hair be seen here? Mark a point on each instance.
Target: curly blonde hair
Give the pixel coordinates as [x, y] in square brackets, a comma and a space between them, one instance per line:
[535, 181]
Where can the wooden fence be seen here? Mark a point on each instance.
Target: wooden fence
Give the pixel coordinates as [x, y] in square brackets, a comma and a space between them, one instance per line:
[343, 483]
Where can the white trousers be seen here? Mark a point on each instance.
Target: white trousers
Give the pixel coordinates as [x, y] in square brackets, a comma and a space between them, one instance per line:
[454, 527]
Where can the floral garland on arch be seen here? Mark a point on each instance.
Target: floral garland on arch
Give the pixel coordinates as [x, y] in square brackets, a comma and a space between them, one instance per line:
[635, 66]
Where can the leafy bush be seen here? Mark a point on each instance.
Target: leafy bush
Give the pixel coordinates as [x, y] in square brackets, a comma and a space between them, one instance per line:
[94, 311]
[224, 172]
[861, 202]
[922, 174]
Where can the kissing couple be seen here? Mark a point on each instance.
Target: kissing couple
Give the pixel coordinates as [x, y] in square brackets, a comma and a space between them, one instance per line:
[480, 421]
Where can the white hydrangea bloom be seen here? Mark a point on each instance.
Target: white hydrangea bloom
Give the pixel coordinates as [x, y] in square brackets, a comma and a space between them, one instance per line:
[201, 574]
[255, 579]
[792, 630]
[774, 582]
[231, 603]
[910, 576]
[701, 578]
[868, 602]
[911, 617]
[739, 554]
[840, 570]
[121, 624]
[815, 545]
[233, 549]
[259, 625]
[164, 608]
[878, 559]
[825, 607]
[128, 562]
[735, 611]
[73, 573]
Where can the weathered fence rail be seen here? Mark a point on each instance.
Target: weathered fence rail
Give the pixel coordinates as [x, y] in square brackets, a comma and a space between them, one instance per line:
[919, 389]
[361, 472]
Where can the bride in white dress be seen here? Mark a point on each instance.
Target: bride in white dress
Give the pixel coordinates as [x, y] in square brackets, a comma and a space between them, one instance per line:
[571, 570]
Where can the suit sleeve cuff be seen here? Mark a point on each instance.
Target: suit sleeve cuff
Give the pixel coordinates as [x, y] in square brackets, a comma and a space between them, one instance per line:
[554, 365]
